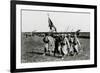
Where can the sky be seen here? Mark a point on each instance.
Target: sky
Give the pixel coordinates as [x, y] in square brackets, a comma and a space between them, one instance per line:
[64, 21]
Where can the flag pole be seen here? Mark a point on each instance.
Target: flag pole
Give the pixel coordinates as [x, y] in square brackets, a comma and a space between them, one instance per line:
[48, 14]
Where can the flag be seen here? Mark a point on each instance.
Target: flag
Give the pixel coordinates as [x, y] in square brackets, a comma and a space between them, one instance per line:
[51, 25]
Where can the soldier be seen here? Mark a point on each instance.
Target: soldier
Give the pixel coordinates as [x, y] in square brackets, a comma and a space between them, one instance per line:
[70, 39]
[51, 43]
[76, 44]
[64, 46]
[45, 40]
[57, 45]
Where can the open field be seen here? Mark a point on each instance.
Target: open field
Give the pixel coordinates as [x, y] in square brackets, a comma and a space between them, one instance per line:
[32, 50]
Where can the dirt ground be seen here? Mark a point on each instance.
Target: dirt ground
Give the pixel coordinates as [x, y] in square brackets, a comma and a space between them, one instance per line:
[33, 47]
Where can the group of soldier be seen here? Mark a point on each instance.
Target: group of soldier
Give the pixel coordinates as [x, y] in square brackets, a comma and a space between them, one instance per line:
[61, 44]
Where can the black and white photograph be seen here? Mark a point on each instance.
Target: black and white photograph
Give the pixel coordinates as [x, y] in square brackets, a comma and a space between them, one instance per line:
[54, 36]
[49, 35]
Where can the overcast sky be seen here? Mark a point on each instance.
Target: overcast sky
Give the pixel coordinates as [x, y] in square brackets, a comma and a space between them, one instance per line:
[64, 21]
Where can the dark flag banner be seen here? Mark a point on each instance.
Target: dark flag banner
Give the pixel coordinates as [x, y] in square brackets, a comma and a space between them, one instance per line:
[51, 25]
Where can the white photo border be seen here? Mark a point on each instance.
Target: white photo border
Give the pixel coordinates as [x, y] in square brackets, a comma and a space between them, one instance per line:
[51, 64]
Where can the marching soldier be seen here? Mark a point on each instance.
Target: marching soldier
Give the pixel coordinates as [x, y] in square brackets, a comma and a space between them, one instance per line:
[64, 46]
[76, 44]
[45, 40]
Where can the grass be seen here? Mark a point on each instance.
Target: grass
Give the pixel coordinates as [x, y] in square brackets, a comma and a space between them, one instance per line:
[32, 50]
